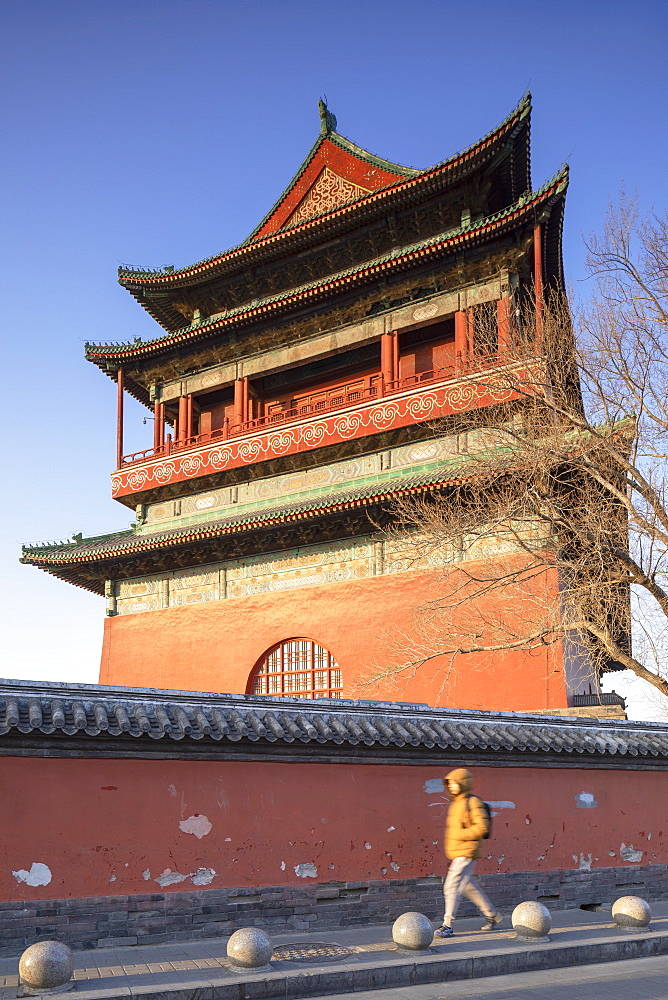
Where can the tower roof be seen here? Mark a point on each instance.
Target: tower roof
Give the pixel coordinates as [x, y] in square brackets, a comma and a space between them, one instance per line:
[334, 173]
[338, 186]
[523, 212]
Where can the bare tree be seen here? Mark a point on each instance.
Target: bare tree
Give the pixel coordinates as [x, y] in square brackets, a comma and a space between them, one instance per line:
[559, 531]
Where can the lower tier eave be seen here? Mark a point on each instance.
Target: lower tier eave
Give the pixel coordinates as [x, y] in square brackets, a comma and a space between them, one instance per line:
[208, 545]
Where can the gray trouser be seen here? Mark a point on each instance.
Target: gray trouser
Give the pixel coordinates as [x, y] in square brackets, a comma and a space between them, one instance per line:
[461, 881]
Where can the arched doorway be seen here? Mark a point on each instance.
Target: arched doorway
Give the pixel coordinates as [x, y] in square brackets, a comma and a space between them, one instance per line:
[297, 668]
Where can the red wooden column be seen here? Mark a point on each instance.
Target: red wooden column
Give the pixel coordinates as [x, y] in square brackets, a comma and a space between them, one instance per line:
[386, 360]
[389, 359]
[120, 384]
[246, 401]
[395, 356]
[189, 417]
[538, 281]
[158, 427]
[240, 401]
[183, 419]
[503, 324]
[462, 338]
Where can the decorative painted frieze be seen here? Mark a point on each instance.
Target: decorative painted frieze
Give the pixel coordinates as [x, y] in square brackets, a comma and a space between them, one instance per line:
[292, 485]
[308, 566]
[350, 559]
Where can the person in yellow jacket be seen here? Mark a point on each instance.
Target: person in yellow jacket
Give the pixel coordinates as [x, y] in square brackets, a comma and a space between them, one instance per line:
[466, 827]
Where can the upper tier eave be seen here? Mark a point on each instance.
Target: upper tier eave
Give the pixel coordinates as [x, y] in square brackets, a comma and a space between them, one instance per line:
[142, 283]
[109, 357]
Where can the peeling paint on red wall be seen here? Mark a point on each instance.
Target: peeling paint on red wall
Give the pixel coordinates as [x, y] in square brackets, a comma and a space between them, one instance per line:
[280, 823]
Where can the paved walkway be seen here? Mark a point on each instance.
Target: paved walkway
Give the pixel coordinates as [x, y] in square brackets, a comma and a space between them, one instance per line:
[201, 971]
[640, 979]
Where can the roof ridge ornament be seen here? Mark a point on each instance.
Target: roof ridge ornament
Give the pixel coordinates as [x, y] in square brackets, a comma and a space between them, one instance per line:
[327, 118]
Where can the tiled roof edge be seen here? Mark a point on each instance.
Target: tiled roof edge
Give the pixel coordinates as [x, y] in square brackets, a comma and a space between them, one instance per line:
[48, 707]
[449, 474]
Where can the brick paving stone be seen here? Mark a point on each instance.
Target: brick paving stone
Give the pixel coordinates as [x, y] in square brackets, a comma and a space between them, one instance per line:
[641, 979]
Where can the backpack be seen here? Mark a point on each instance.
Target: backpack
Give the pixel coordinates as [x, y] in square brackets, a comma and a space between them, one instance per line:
[487, 811]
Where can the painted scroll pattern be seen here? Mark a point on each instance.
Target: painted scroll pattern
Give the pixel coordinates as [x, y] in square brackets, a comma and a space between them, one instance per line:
[305, 567]
[333, 562]
[418, 405]
[135, 596]
[193, 586]
[341, 561]
[348, 471]
[383, 417]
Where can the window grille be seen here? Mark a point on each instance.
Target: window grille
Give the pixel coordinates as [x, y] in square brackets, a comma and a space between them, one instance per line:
[297, 668]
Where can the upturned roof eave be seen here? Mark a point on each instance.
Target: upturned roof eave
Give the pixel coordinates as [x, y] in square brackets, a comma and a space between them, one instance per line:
[106, 355]
[205, 269]
[62, 561]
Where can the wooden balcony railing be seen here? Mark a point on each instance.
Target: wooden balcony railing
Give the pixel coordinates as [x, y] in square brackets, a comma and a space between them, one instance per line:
[340, 401]
[316, 424]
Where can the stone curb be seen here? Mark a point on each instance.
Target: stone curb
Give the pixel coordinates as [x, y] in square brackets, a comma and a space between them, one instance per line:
[347, 977]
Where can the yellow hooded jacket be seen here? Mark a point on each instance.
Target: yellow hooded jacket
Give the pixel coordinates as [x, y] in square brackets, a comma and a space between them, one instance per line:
[466, 823]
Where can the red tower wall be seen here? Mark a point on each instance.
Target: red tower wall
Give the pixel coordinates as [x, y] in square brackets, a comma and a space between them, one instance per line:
[364, 624]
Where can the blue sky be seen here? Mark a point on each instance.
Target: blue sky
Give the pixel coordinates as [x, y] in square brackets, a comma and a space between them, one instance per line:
[158, 133]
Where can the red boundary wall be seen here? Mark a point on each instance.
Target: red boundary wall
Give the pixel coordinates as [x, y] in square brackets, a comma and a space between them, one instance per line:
[107, 827]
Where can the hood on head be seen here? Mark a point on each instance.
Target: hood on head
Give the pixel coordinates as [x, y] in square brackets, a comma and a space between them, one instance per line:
[463, 778]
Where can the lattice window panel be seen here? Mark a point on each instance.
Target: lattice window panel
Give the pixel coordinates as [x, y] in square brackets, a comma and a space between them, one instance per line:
[297, 668]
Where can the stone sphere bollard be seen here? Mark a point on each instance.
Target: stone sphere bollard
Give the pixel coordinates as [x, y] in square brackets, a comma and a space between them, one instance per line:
[412, 931]
[46, 967]
[631, 913]
[531, 921]
[249, 948]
